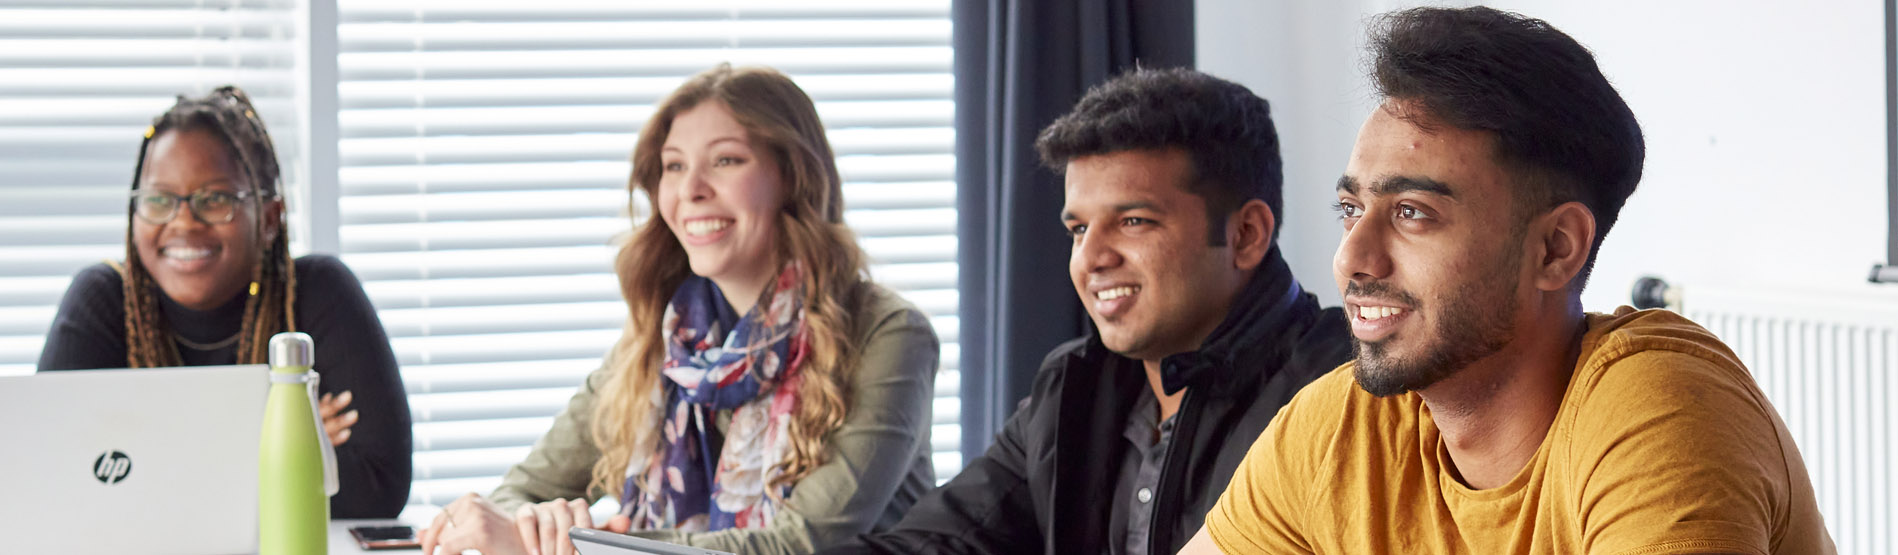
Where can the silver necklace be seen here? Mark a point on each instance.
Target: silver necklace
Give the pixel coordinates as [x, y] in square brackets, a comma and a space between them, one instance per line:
[196, 346]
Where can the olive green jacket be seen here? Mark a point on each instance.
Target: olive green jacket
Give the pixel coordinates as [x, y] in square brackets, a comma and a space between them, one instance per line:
[878, 462]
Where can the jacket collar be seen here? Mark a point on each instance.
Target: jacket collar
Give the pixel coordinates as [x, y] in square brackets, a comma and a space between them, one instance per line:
[1267, 319]
[1265, 322]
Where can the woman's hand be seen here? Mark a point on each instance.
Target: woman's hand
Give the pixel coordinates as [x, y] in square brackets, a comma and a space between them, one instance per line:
[543, 526]
[336, 423]
[473, 522]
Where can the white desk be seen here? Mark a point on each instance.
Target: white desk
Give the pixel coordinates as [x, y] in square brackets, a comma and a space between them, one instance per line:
[417, 516]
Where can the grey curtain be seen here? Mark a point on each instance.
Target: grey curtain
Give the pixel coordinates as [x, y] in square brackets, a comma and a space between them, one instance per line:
[1019, 64]
[1888, 272]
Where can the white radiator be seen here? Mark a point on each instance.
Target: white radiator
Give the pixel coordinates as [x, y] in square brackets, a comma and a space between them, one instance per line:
[1826, 362]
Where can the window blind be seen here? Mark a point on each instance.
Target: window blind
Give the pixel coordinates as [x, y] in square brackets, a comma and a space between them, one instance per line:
[484, 161]
[79, 82]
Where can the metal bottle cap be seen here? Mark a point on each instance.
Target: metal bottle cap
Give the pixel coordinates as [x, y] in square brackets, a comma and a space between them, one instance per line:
[292, 348]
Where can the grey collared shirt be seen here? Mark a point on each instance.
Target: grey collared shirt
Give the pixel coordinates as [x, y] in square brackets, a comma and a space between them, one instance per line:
[1137, 488]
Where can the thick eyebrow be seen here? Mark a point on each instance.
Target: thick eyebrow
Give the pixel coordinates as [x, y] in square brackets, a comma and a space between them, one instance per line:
[1401, 184]
[1395, 185]
[1121, 208]
[225, 181]
[673, 148]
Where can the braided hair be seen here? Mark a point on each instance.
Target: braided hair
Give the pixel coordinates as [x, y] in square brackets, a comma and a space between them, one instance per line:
[269, 309]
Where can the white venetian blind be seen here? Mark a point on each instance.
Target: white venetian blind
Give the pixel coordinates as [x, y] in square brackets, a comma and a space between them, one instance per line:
[79, 82]
[485, 151]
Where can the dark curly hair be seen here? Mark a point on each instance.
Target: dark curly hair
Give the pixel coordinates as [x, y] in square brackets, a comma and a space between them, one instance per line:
[1560, 128]
[1225, 130]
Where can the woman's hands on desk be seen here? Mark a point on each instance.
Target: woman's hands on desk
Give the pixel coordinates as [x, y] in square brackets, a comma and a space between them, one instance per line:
[336, 423]
[473, 522]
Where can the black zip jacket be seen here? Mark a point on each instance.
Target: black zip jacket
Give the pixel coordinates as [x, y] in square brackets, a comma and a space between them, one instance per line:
[1046, 484]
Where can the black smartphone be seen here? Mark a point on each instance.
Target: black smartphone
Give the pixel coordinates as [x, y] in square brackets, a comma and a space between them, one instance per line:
[385, 537]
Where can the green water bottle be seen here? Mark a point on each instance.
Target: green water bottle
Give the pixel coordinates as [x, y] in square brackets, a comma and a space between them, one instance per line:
[296, 467]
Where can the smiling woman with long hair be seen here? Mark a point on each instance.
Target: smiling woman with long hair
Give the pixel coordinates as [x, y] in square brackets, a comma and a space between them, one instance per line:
[766, 397]
[208, 279]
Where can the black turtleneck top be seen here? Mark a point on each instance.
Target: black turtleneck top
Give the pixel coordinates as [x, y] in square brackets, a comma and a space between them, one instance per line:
[352, 354]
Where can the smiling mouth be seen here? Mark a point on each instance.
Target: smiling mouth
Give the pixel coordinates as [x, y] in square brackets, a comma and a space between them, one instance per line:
[1375, 313]
[1116, 292]
[696, 228]
[186, 254]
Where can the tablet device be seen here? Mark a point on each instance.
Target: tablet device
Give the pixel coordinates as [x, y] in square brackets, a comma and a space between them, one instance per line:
[601, 542]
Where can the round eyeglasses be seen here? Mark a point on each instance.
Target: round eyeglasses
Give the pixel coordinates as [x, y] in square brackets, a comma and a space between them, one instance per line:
[207, 205]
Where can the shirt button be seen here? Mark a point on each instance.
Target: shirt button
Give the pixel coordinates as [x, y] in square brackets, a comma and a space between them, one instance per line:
[1144, 495]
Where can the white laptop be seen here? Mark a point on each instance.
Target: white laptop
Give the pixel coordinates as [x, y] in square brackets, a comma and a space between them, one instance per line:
[131, 461]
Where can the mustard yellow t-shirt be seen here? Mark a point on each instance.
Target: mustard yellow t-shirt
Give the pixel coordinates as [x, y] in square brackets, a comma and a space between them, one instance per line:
[1663, 444]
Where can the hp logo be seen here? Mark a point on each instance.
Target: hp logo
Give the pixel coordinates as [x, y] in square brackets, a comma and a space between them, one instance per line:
[112, 467]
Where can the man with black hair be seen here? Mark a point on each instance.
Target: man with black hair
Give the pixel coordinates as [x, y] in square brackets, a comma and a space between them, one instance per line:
[1487, 413]
[1201, 333]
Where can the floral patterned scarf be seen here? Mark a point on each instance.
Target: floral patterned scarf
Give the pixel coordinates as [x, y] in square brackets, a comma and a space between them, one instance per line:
[752, 369]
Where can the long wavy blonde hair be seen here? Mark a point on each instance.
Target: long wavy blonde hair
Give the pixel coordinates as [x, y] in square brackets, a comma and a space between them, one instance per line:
[781, 118]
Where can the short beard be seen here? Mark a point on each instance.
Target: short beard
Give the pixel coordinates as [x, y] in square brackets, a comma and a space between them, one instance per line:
[1475, 324]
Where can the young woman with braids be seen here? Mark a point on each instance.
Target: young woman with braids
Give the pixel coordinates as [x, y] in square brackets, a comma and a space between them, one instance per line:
[208, 279]
[766, 397]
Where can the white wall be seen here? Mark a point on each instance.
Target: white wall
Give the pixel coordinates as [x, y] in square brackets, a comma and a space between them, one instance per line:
[1764, 123]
